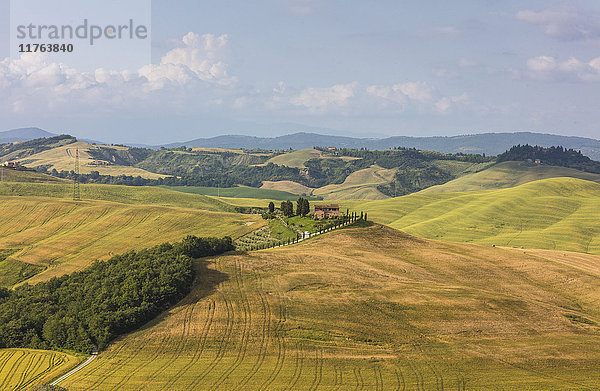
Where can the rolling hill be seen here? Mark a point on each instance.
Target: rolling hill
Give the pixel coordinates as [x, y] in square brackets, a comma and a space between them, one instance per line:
[236, 192]
[287, 186]
[10, 175]
[370, 308]
[63, 158]
[361, 184]
[135, 195]
[488, 143]
[556, 213]
[295, 158]
[509, 174]
[63, 236]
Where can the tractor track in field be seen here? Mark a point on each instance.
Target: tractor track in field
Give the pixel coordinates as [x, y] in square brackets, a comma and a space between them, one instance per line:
[7, 380]
[5, 358]
[223, 343]
[246, 328]
[462, 384]
[180, 345]
[278, 329]
[400, 380]
[32, 365]
[337, 381]
[318, 377]
[418, 377]
[51, 365]
[360, 384]
[230, 323]
[378, 378]
[113, 354]
[200, 347]
[143, 363]
[264, 339]
[298, 367]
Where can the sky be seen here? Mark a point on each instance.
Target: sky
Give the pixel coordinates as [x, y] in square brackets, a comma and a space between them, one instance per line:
[344, 67]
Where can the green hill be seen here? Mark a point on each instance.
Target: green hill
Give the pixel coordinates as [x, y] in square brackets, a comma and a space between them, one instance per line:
[10, 175]
[557, 213]
[138, 195]
[62, 236]
[509, 174]
[295, 158]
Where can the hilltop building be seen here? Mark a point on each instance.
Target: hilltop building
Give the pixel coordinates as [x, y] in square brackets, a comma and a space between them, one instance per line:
[326, 211]
[12, 164]
[99, 163]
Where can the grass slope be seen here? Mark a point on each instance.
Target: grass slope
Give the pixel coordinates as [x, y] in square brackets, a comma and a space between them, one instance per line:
[287, 186]
[10, 175]
[142, 195]
[557, 213]
[370, 309]
[236, 192]
[21, 369]
[295, 158]
[66, 235]
[361, 184]
[509, 174]
[63, 158]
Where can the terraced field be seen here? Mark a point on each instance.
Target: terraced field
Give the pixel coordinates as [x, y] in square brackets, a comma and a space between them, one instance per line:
[23, 368]
[65, 235]
[63, 158]
[370, 308]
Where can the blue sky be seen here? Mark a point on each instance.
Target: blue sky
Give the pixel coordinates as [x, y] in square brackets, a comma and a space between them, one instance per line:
[342, 67]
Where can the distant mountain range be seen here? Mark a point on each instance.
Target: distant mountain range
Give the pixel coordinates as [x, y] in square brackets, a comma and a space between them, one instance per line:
[488, 143]
[23, 134]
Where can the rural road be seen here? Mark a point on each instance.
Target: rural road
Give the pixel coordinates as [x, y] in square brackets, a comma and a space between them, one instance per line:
[75, 370]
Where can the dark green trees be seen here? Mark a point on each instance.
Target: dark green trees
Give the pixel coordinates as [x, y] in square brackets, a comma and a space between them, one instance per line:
[271, 207]
[88, 309]
[302, 207]
[287, 208]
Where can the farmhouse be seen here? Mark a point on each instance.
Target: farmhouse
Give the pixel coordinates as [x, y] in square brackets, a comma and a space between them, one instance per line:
[12, 164]
[99, 163]
[326, 211]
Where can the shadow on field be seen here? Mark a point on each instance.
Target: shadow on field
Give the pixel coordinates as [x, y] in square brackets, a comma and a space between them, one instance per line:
[206, 281]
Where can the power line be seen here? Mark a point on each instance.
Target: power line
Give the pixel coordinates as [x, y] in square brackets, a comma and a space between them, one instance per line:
[76, 190]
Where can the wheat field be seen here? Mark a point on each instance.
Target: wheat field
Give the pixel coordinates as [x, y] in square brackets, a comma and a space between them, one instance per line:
[374, 309]
[23, 368]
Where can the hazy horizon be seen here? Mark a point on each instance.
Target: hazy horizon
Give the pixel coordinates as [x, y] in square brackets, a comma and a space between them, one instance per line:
[337, 67]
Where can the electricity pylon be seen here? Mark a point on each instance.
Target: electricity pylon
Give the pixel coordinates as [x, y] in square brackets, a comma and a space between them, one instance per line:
[76, 191]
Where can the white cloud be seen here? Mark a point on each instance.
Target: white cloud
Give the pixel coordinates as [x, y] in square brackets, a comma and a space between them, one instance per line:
[200, 57]
[418, 91]
[190, 79]
[321, 99]
[546, 67]
[569, 24]
[401, 94]
[446, 103]
[354, 98]
[197, 67]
